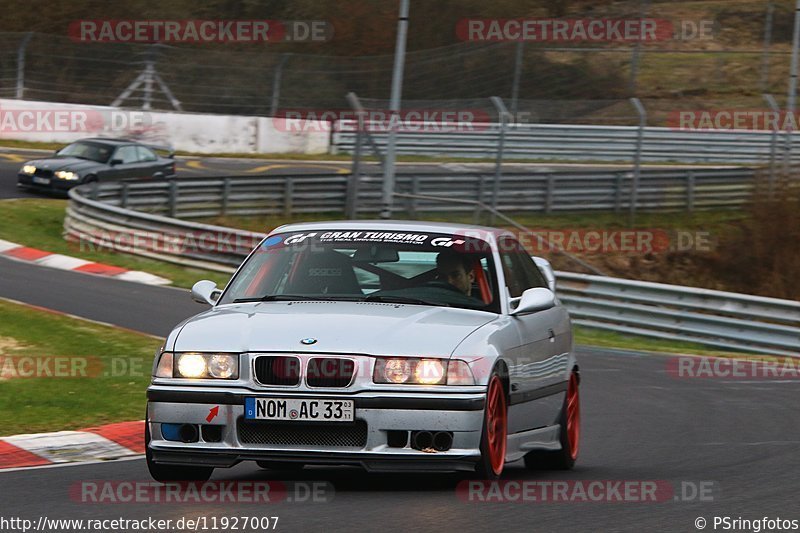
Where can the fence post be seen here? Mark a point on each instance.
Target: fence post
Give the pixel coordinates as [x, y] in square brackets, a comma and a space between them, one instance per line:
[498, 165]
[288, 197]
[23, 46]
[173, 198]
[517, 75]
[226, 192]
[637, 160]
[773, 143]
[276, 85]
[353, 184]
[123, 195]
[690, 189]
[351, 202]
[548, 200]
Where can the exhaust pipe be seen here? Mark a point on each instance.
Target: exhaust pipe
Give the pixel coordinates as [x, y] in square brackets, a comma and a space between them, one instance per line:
[188, 433]
[422, 440]
[442, 441]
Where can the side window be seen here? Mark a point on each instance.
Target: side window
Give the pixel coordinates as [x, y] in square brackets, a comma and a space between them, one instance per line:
[146, 154]
[127, 154]
[519, 269]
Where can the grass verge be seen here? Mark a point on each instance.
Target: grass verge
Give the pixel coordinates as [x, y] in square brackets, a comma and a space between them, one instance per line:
[39, 223]
[610, 339]
[122, 360]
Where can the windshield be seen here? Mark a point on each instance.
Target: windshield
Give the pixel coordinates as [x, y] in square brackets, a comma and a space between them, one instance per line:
[84, 150]
[394, 267]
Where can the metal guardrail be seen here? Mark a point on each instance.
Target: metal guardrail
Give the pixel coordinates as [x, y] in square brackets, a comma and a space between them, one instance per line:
[714, 318]
[546, 192]
[578, 143]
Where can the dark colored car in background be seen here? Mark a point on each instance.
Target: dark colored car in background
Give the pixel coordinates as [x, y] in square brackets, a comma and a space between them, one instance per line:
[91, 160]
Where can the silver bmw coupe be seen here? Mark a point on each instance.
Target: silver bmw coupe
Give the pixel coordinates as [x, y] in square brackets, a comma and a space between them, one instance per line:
[389, 345]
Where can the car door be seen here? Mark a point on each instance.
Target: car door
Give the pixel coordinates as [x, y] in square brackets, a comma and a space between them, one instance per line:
[539, 363]
[127, 162]
[149, 163]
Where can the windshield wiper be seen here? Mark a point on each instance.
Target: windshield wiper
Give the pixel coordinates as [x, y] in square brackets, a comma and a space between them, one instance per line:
[273, 298]
[402, 300]
[295, 297]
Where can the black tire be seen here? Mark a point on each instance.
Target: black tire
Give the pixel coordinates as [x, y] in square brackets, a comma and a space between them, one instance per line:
[166, 473]
[280, 465]
[494, 435]
[565, 458]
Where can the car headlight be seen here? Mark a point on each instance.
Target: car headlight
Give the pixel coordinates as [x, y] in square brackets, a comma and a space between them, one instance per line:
[65, 175]
[29, 169]
[419, 371]
[195, 365]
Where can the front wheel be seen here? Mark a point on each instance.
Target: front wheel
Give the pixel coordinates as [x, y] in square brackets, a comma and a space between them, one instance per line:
[569, 436]
[166, 473]
[495, 430]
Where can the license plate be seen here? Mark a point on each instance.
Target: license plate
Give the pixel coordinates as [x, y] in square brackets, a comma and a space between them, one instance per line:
[307, 410]
[41, 181]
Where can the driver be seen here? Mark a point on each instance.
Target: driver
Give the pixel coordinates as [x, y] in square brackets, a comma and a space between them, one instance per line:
[456, 269]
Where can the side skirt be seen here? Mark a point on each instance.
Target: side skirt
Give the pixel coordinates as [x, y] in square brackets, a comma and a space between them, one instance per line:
[546, 438]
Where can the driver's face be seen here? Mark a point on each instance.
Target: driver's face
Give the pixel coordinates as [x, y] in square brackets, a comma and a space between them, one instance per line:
[454, 274]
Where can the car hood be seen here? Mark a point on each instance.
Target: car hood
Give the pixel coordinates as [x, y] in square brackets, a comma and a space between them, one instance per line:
[73, 164]
[338, 327]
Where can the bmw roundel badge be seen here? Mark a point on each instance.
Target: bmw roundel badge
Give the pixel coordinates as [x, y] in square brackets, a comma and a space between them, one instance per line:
[308, 341]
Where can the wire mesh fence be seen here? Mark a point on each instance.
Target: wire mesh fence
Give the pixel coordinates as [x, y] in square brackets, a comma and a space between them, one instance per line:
[553, 84]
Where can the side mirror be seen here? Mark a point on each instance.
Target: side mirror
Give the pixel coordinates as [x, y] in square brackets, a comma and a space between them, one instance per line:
[533, 300]
[206, 292]
[547, 270]
[115, 162]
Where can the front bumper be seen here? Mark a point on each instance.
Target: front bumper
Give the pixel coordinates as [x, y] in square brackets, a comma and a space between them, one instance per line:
[462, 414]
[55, 185]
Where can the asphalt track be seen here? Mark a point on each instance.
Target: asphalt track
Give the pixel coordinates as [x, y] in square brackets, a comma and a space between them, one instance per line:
[639, 423]
[195, 167]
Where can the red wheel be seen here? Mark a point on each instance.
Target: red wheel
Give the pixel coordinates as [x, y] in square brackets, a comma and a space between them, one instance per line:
[573, 416]
[495, 430]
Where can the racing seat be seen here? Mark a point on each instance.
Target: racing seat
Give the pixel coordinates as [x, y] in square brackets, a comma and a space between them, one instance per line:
[482, 283]
[325, 272]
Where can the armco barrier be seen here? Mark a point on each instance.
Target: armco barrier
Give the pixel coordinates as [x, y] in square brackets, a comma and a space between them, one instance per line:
[714, 318]
[580, 143]
[722, 319]
[579, 190]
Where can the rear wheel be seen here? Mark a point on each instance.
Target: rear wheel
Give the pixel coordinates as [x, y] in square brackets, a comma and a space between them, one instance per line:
[495, 430]
[166, 473]
[569, 437]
